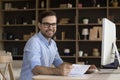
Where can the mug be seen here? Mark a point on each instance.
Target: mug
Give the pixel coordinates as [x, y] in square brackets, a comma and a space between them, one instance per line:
[85, 21]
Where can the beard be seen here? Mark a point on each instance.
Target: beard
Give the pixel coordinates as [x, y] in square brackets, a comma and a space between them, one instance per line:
[49, 34]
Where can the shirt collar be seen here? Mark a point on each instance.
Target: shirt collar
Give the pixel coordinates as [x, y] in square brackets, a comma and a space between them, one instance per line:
[44, 39]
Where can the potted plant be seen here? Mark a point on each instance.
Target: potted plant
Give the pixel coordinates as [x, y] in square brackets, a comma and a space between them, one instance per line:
[114, 3]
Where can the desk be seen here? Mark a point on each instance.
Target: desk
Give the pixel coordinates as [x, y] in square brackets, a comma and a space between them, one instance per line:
[95, 76]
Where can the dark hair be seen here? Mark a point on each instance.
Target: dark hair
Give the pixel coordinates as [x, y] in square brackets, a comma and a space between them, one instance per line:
[45, 14]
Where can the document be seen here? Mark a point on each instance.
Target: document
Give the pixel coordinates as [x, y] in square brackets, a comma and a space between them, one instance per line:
[78, 70]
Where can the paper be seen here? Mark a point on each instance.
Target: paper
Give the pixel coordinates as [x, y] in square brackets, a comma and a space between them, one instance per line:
[78, 70]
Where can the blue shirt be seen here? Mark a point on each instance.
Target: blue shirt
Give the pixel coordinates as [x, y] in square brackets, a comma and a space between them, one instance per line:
[38, 51]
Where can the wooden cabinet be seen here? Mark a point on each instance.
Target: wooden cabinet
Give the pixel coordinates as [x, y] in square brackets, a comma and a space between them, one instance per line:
[66, 30]
[19, 19]
[91, 11]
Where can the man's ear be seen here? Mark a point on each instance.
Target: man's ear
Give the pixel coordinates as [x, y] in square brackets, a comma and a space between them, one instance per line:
[39, 24]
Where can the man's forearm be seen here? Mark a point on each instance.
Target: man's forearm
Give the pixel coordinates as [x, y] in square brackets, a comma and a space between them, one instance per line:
[45, 70]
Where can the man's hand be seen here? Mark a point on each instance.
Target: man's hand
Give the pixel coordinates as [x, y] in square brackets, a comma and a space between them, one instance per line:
[65, 69]
[92, 69]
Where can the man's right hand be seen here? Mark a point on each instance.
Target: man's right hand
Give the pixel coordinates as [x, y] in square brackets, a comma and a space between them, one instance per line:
[65, 68]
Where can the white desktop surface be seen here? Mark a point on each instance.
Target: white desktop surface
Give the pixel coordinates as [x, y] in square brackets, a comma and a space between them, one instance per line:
[93, 76]
[51, 77]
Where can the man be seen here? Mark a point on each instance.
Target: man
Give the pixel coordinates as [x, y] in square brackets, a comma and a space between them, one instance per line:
[41, 52]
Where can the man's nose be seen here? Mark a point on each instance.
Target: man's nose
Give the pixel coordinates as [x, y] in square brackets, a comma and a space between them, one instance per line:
[50, 26]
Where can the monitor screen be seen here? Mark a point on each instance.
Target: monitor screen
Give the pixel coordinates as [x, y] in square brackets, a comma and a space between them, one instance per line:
[108, 40]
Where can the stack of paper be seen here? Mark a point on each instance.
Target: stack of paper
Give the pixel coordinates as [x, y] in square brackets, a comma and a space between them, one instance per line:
[78, 70]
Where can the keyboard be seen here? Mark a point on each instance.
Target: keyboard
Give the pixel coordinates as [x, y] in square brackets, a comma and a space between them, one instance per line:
[109, 71]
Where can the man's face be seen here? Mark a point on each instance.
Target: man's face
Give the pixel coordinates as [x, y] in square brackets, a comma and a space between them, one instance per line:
[48, 26]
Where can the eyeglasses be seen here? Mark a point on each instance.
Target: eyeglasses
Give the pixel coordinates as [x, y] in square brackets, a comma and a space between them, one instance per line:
[47, 25]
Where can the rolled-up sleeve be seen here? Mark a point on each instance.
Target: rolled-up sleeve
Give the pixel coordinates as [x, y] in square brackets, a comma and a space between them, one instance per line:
[32, 51]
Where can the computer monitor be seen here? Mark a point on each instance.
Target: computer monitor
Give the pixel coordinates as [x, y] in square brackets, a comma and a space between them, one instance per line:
[109, 49]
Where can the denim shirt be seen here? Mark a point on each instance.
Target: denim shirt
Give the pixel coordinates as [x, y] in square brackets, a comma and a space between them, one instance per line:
[38, 51]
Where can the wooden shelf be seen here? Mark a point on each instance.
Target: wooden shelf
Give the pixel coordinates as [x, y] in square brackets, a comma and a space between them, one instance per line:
[63, 8]
[68, 56]
[72, 28]
[9, 10]
[97, 8]
[92, 57]
[13, 40]
[18, 25]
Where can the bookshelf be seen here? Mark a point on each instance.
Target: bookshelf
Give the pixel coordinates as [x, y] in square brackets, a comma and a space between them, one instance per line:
[19, 21]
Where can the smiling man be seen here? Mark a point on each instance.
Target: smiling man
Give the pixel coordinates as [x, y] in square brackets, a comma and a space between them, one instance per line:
[40, 51]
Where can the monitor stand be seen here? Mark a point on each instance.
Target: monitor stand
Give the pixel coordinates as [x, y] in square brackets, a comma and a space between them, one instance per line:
[116, 52]
[111, 69]
[116, 63]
